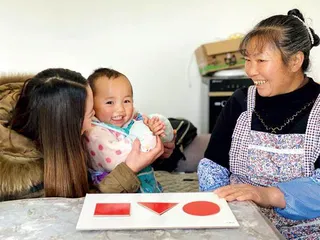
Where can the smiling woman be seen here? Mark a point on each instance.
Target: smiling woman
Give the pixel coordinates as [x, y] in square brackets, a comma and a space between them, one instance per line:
[42, 152]
[275, 57]
[269, 73]
[264, 146]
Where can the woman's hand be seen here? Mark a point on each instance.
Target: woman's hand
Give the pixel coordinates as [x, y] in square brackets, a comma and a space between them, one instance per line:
[169, 146]
[138, 160]
[263, 196]
[168, 149]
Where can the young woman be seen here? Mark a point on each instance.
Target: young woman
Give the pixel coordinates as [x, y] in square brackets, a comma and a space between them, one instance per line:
[41, 142]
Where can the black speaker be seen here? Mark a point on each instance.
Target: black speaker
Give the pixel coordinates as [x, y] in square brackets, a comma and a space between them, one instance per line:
[216, 104]
[220, 89]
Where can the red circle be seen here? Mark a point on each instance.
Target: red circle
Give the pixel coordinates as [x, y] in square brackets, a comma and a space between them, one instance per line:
[93, 153]
[108, 160]
[201, 208]
[100, 147]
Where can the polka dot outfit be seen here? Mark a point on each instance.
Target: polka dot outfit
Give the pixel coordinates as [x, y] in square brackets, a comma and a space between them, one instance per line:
[110, 146]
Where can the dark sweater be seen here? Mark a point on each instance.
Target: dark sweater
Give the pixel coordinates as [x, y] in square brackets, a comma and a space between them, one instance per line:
[273, 110]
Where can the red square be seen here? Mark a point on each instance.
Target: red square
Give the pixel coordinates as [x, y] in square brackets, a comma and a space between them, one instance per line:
[112, 209]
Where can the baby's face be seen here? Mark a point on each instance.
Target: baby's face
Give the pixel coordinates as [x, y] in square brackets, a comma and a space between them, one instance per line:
[113, 101]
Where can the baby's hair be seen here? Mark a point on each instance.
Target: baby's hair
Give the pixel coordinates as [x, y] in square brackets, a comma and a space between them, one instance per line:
[103, 72]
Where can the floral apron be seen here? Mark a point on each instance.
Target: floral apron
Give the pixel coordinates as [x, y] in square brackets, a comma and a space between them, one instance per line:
[265, 159]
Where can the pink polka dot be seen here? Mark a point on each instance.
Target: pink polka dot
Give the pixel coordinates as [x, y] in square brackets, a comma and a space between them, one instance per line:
[118, 152]
[108, 160]
[100, 147]
[93, 153]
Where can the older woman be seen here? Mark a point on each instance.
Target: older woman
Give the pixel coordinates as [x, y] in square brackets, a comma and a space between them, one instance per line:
[265, 145]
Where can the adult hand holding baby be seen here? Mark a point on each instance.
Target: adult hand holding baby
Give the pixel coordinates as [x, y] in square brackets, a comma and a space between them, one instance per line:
[137, 160]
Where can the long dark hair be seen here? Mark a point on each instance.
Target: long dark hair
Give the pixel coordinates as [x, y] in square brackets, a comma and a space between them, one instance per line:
[50, 111]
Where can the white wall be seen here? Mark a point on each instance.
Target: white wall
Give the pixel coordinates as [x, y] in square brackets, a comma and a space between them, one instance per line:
[151, 41]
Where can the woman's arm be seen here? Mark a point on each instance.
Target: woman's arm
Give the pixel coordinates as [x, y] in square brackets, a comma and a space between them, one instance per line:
[121, 180]
[211, 175]
[213, 170]
[302, 197]
[297, 199]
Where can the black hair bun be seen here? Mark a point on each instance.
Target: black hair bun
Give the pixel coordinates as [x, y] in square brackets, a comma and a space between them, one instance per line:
[297, 13]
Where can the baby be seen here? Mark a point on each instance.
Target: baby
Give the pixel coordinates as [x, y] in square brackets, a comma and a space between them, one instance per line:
[118, 124]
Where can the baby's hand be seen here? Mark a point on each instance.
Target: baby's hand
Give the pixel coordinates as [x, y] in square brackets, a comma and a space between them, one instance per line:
[155, 125]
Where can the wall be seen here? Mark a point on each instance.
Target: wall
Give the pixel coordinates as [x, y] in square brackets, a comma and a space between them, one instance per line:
[152, 42]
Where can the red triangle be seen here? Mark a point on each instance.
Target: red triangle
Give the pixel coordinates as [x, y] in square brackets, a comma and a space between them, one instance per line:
[158, 207]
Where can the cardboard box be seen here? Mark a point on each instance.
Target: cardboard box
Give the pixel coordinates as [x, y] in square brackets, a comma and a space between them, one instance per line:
[212, 57]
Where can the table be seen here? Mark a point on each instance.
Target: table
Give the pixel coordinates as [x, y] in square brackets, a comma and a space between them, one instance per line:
[56, 218]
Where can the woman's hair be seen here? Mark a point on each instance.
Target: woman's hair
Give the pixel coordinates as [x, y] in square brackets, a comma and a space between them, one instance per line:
[50, 111]
[288, 33]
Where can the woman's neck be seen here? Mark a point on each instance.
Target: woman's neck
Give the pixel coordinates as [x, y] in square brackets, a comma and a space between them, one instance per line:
[298, 81]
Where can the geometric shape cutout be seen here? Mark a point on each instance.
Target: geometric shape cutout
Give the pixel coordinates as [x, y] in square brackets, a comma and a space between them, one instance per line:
[201, 208]
[112, 209]
[158, 207]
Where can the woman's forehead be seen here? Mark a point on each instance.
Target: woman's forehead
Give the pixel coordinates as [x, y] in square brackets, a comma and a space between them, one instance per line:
[258, 46]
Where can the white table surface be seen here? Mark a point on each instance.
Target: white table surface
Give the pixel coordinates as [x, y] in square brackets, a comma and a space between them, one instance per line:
[56, 218]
